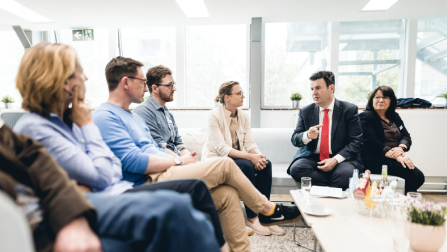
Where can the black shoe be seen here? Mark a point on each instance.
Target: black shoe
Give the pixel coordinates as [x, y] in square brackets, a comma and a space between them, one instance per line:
[282, 215]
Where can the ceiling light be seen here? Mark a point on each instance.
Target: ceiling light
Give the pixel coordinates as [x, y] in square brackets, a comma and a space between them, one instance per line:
[22, 11]
[193, 8]
[375, 5]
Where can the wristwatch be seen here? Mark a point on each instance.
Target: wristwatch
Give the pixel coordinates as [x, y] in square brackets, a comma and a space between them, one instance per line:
[403, 148]
[178, 160]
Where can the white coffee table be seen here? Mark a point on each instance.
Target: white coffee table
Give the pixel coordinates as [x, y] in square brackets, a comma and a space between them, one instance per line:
[345, 230]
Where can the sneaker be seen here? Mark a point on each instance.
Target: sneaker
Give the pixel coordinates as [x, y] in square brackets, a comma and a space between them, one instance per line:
[249, 230]
[258, 228]
[276, 230]
[282, 215]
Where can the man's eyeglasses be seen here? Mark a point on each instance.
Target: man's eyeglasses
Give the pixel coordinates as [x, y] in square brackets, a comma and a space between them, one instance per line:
[240, 93]
[383, 98]
[170, 85]
[143, 80]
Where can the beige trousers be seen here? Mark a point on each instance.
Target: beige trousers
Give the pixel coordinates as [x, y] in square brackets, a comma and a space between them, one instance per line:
[227, 184]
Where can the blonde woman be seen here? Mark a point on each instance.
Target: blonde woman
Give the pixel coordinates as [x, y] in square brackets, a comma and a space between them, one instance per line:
[229, 133]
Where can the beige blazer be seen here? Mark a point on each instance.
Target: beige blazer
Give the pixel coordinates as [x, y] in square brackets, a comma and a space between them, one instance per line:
[219, 142]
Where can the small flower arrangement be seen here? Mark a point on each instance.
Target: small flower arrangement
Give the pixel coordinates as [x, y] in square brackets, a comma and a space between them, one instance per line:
[296, 97]
[426, 212]
[7, 99]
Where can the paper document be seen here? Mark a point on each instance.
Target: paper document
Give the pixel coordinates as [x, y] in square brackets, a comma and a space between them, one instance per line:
[325, 191]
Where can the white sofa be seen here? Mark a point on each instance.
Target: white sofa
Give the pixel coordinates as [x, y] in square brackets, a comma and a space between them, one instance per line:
[15, 233]
[275, 144]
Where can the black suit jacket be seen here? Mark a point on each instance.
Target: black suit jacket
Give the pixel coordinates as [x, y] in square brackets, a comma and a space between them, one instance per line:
[374, 134]
[346, 133]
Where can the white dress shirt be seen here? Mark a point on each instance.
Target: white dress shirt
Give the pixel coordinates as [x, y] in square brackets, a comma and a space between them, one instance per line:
[307, 140]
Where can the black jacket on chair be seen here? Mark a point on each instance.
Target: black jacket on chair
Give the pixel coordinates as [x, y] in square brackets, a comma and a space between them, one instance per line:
[374, 134]
[346, 133]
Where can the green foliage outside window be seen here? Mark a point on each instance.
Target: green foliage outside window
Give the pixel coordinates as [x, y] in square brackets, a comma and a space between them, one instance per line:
[443, 95]
[358, 87]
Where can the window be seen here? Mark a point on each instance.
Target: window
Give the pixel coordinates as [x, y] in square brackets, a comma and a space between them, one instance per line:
[431, 60]
[93, 56]
[151, 46]
[370, 56]
[214, 55]
[293, 51]
[11, 52]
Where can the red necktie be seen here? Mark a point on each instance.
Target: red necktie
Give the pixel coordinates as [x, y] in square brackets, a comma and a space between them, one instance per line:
[324, 144]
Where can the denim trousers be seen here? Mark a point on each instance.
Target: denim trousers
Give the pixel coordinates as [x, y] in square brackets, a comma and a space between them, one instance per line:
[151, 221]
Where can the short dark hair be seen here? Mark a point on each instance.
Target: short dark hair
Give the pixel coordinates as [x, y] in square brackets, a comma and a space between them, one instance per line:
[387, 92]
[119, 67]
[155, 74]
[328, 77]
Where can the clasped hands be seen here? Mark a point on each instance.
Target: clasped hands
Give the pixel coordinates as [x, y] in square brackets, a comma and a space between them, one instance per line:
[395, 152]
[399, 154]
[259, 160]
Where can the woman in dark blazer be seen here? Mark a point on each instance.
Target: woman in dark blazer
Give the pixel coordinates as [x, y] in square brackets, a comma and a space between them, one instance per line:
[385, 139]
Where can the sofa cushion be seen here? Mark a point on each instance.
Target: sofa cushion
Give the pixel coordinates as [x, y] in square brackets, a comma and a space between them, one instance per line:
[194, 140]
[275, 143]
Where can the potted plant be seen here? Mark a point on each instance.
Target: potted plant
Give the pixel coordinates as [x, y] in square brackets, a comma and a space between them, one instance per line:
[427, 228]
[7, 100]
[296, 98]
[443, 95]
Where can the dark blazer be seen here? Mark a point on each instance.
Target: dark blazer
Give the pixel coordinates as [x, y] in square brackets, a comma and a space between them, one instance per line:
[346, 133]
[374, 135]
[25, 161]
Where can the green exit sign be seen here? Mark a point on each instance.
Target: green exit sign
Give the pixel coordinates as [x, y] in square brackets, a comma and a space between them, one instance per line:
[83, 35]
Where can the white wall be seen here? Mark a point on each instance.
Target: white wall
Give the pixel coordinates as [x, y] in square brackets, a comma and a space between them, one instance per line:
[427, 127]
[428, 130]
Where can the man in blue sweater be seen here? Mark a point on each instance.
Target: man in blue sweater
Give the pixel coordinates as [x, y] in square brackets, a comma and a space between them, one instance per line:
[143, 161]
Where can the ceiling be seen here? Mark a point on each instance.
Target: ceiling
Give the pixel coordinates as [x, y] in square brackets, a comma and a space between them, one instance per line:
[138, 13]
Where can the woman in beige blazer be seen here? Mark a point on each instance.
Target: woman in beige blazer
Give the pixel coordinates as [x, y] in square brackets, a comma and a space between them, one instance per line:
[229, 132]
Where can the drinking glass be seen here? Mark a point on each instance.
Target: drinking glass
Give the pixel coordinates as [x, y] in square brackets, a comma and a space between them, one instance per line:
[401, 227]
[414, 195]
[306, 184]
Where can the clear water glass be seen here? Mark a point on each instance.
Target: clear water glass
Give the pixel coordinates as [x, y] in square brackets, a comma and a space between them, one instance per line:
[306, 184]
[401, 227]
[414, 195]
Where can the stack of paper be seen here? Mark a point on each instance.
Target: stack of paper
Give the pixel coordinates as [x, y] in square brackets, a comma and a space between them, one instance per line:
[325, 191]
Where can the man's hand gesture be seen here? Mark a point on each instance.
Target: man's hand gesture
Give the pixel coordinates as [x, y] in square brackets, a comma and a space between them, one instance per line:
[313, 132]
[327, 164]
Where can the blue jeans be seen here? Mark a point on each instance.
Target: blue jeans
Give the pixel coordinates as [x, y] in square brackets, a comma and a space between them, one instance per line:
[262, 179]
[200, 196]
[151, 221]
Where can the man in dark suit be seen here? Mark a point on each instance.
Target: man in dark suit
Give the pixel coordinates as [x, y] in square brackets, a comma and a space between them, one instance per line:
[329, 136]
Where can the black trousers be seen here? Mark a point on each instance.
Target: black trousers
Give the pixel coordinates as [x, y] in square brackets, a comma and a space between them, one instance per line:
[307, 167]
[413, 178]
[200, 195]
[262, 179]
